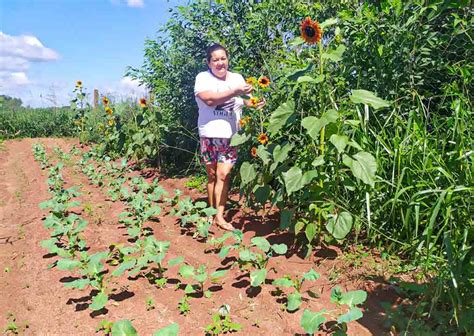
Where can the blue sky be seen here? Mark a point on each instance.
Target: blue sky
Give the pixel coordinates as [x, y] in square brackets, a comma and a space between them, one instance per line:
[46, 45]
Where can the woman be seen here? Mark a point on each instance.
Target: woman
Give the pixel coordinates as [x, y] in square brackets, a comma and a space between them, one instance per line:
[217, 92]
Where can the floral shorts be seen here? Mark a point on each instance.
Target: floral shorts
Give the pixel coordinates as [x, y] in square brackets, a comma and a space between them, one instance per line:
[215, 150]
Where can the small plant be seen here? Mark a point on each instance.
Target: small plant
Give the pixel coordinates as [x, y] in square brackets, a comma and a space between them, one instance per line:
[200, 276]
[311, 321]
[183, 305]
[197, 182]
[150, 303]
[294, 299]
[222, 323]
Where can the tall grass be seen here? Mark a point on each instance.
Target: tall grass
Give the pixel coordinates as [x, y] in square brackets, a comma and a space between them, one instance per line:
[25, 122]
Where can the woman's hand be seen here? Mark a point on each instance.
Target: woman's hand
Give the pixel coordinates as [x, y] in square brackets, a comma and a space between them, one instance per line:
[261, 103]
[243, 89]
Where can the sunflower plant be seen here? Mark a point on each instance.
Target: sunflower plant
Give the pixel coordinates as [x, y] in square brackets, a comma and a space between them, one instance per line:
[307, 157]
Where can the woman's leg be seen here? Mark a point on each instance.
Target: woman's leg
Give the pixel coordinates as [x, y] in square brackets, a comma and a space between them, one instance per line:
[211, 181]
[221, 190]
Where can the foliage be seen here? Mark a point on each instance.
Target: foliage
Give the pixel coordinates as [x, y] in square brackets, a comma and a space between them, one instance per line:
[27, 122]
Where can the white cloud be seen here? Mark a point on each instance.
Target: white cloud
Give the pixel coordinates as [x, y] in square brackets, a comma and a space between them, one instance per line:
[11, 63]
[27, 47]
[10, 80]
[135, 3]
[129, 3]
[125, 89]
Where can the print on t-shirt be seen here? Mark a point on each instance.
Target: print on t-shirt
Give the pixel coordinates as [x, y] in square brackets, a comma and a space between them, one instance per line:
[226, 109]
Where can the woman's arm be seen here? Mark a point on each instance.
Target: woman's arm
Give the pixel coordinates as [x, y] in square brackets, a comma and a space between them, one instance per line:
[211, 98]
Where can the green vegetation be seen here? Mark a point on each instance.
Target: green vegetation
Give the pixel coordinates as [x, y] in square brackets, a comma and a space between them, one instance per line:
[25, 122]
[366, 138]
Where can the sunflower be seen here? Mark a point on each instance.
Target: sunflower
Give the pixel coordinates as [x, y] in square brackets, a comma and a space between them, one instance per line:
[253, 152]
[242, 122]
[142, 102]
[110, 122]
[310, 31]
[108, 110]
[105, 100]
[262, 138]
[263, 81]
[251, 81]
[254, 101]
[78, 84]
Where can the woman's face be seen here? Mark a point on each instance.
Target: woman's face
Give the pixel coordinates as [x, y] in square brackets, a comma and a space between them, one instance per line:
[218, 63]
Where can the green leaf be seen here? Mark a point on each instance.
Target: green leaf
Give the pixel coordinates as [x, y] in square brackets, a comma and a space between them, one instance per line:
[79, 283]
[353, 298]
[238, 139]
[262, 193]
[67, 264]
[336, 54]
[218, 274]
[352, 315]
[280, 248]
[247, 172]
[262, 243]
[298, 73]
[280, 116]
[363, 166]
[311, 275]
[186, 271]
[368, 98]
[340, 225]
[189, 289]
[257, 277]
[283, 282]
[123, 328]
[296, 42]
[310, 231]
[319, 161]
[339, 141]
[294, 301]
[175, 261]
[246, 255]
[224, 251]
[310, 321]
[99, 301]
[309, 79]
[123, 267]
[285, 218]
[328, 22]
[293, 180]
[263, 154]
[309, 176]
[281, 153]
[313, 125]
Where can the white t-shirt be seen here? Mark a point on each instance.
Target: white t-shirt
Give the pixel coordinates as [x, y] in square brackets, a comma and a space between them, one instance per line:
[219, 121]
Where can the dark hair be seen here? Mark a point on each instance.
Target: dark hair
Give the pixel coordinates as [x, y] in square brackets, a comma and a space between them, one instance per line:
[212, 48]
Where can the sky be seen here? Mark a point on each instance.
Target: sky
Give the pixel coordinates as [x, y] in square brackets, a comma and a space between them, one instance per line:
[47, 45]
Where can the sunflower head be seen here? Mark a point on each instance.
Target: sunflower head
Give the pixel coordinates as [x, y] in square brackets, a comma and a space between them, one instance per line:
[105, 100]
[253, 152]
[242, 122]
[262, 138]
[78, 84]
[310, 31]
[263, 81]
[110, 122]
[108, 110]
[251, 80]
[142, 102]
[254, 101]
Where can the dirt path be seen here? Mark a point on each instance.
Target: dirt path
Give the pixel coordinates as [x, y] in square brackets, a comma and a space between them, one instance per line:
[35, 296]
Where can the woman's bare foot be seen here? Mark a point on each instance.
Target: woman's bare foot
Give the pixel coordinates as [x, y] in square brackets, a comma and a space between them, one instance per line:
[223, 224]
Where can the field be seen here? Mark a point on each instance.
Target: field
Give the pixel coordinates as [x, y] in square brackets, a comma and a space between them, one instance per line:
[351, 198]
[37, 299]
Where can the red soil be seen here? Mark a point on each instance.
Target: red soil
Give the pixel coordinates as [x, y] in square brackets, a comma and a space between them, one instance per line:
[36, 296]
